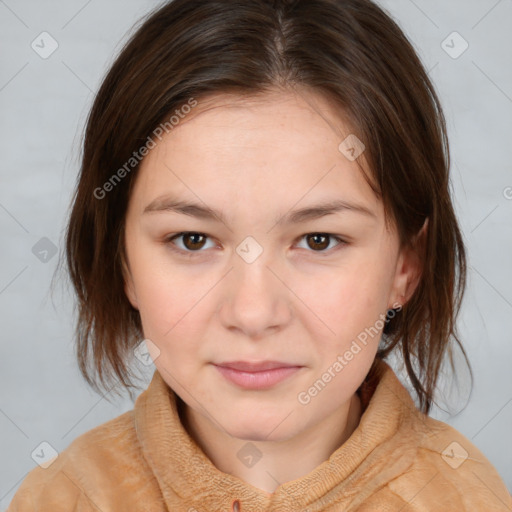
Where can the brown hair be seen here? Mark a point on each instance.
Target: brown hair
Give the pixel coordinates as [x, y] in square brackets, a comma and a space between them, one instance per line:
[349, 51]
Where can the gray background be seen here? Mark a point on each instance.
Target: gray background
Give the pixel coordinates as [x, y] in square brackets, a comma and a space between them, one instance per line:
[43, 104]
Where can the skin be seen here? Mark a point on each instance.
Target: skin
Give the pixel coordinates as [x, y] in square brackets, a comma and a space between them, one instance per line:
[300, 302]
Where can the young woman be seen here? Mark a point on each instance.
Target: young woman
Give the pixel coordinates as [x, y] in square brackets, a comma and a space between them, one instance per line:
[264, 201]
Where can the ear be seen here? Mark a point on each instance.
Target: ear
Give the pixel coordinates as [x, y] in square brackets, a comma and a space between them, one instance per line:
[409, 268]
[129, 287]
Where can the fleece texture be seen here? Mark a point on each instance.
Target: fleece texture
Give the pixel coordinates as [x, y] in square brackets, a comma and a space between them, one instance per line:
[397, 459]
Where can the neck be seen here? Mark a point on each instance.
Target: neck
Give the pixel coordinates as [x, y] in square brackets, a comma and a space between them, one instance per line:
[279, 462]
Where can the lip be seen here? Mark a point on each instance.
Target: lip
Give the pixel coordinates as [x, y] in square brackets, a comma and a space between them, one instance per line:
[248, 366]
[256, 375]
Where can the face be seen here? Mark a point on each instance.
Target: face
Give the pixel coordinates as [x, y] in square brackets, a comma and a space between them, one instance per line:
[256, 281]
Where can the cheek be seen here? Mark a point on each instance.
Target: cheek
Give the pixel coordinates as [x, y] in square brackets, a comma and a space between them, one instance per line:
[170, 311]
[176, 306]
[348, 299]
[164, 294]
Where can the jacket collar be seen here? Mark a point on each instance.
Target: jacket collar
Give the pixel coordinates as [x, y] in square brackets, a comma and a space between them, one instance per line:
[377, 451]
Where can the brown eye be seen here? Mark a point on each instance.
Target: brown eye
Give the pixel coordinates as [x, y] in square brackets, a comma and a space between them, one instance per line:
[318, 241]
[190, 242]
[193, 241]
[322, 242]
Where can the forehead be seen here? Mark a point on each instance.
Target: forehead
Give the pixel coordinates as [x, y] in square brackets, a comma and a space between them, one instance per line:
[283, 144]
[274, 110]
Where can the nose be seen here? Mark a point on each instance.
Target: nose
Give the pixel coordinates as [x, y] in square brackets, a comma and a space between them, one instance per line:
[256, 298]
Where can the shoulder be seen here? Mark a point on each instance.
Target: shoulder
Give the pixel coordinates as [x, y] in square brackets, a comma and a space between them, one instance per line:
[93, 463]
[449, 473]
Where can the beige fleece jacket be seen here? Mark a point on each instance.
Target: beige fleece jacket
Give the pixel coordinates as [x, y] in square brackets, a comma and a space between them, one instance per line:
[397, 459]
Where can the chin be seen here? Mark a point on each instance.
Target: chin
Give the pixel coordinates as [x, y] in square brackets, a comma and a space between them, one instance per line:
[254, 434]
[254, 428]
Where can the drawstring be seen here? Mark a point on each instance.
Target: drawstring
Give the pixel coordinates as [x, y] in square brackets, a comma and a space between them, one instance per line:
[235, 507]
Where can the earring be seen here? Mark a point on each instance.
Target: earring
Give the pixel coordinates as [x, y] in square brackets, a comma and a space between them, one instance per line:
[391, 313]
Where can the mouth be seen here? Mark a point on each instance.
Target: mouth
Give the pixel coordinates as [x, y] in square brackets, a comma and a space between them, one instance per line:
[256, 375]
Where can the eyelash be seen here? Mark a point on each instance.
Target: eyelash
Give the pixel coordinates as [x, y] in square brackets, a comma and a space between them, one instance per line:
[169, 241]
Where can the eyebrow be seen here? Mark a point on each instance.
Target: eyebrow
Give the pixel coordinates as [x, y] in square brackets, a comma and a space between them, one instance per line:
[316, 211]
